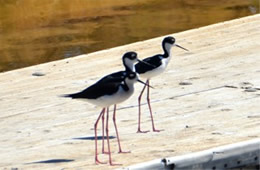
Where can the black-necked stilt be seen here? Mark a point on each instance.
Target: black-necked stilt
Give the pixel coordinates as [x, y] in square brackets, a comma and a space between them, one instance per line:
[129, 59]
[110, 90]
[158, 64]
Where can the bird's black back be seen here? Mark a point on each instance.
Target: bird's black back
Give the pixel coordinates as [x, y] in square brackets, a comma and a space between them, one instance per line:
[107, 85]
[155, 62]
[96, 90]
[117, 76]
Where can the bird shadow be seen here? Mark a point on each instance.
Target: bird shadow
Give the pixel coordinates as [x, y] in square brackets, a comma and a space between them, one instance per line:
[93, 138]
[51, 161]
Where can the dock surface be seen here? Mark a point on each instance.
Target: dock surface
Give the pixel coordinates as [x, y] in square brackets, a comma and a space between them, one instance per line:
[206, 98]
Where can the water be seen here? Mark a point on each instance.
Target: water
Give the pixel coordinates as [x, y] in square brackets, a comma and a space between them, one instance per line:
[33, 32]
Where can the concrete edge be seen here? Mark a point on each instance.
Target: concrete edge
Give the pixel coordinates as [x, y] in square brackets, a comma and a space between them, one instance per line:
[224, 157]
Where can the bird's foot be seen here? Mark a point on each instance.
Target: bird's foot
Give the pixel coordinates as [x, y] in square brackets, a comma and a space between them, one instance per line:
[140, 131]
[157, 130]
[120, 151]
[114, 164]
[105, 152]
[98, 161]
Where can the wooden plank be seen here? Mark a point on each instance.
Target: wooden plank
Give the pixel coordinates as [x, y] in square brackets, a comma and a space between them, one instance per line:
[37, 125]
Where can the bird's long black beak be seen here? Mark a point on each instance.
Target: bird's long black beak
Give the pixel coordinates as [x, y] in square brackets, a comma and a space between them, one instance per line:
[140, 81]
[181, 47]
[145, 63]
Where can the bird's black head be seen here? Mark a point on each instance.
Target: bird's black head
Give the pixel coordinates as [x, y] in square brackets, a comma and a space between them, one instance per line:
[130, 55]
[169, 40]
[131, 75]
[129, 59]
[130, 78]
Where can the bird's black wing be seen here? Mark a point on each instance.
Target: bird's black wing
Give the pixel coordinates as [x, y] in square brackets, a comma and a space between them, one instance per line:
[154, 61]
[114, 77]
[97, 90]
[106, 85]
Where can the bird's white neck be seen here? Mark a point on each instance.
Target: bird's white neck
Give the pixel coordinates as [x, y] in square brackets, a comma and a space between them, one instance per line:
[129, 65]
[167, 49]
[130, 84]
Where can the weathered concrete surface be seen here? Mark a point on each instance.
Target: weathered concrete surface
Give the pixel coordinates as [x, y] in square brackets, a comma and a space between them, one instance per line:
[220, 106]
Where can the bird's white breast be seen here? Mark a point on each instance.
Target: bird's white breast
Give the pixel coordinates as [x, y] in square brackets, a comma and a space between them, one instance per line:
[156, 71]
[108, 100]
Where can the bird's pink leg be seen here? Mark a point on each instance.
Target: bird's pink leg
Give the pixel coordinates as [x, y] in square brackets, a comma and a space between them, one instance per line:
[118, 140]
[103, 129]
[95, 128]
[150, 108]
[139, 114]
[108, 144]
[103, 135]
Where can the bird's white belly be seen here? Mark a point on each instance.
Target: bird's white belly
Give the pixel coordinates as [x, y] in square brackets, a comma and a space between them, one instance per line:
[156, 71]
[108, 100]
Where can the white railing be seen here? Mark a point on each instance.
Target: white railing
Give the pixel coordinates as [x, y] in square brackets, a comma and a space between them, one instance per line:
[238, 155]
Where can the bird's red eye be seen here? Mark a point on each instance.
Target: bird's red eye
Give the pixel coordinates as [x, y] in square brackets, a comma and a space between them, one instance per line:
[131, 75]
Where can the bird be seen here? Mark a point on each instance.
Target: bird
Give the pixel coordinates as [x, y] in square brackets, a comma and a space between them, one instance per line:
[158, 64]
[129, 59]
[110, 90]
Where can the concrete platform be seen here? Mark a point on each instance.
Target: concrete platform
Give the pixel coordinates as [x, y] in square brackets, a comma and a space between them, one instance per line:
[40, 130]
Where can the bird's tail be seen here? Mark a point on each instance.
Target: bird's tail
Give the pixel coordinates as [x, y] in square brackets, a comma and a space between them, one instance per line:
[68, 95]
